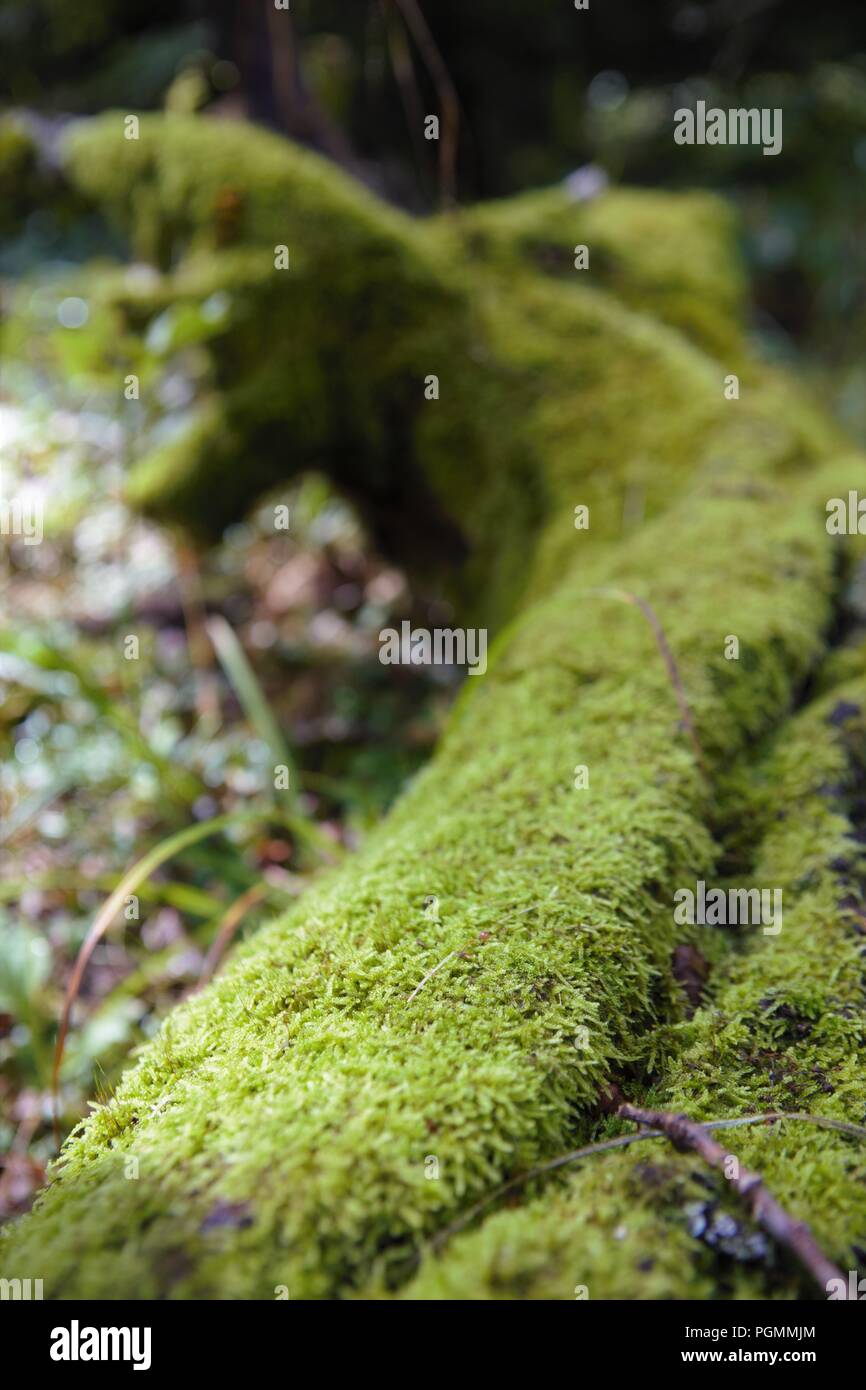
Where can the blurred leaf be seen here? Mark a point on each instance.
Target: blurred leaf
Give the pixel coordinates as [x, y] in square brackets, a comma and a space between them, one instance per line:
[112, 1024]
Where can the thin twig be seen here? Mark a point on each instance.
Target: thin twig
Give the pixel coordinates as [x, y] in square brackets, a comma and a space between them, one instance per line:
[542, 1170]
[303, 116]
[668, 657]
[793, 1235]
[448, 101]
[622, 1142]
[407, 83]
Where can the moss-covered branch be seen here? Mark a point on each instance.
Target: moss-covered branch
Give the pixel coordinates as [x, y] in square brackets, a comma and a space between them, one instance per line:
[782, 1029]
[287, 1122]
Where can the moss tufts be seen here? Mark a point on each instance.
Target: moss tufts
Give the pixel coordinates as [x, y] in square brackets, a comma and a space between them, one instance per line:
[284, 1119]
[783, 1030]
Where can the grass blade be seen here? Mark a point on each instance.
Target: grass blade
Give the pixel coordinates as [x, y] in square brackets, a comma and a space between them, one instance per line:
[141, 870]
[244, 682]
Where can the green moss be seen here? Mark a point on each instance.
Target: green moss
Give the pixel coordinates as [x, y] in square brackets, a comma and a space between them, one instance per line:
[521, 359]
[305, 1085]
[670, 255]
[553, 392]
[283, 1119]
[784, 1030]
[297, 386]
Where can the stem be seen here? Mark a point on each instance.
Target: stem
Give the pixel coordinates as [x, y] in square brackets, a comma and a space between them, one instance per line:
[793, 1235]
[623, 1141]
[446, 92]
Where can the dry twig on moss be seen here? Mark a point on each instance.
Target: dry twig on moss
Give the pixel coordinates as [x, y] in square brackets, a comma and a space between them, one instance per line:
[624, 1141]
[793, 1235]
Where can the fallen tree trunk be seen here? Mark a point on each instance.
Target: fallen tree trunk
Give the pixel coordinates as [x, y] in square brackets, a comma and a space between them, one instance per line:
[780, 1028]
[363, 1071]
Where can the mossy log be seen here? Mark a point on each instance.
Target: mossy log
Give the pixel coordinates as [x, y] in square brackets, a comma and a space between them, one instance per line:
[288, 1122]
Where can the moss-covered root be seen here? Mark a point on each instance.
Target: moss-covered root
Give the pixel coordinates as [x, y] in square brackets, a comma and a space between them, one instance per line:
[784, 1031]
[284, 1122]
